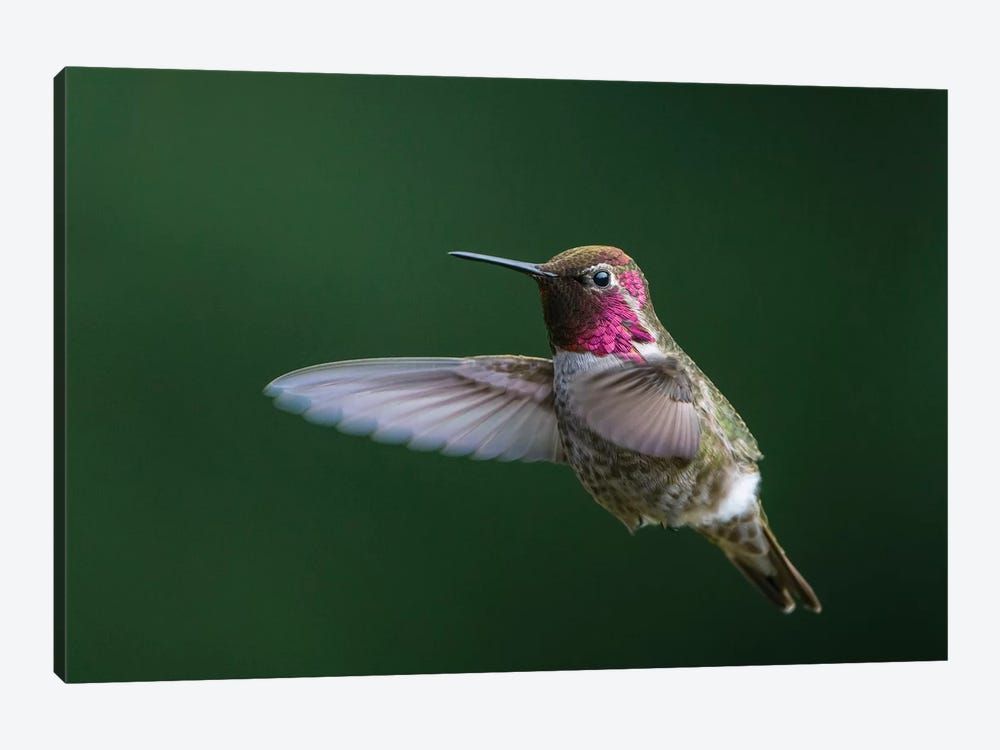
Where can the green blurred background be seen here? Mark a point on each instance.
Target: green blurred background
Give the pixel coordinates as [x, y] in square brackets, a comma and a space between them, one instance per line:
[224, 228]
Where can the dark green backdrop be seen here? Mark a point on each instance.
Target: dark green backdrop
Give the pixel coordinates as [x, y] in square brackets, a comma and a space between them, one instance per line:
[224, 228]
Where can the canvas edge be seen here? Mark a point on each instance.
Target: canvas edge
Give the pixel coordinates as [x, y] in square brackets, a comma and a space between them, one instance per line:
[59, 375]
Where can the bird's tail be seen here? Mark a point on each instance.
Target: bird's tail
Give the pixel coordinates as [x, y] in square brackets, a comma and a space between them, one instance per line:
[751, 546]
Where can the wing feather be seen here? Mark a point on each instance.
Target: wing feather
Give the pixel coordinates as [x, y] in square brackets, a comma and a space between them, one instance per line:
[647, 408]
[495, 407]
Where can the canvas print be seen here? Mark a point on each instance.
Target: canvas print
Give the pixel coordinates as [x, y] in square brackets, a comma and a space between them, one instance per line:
[614, 298]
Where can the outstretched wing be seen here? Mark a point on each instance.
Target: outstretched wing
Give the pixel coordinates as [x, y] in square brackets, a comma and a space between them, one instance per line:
[647, 408]
[484, 407]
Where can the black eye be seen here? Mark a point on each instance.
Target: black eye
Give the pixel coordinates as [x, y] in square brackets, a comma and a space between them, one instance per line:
[602, 278]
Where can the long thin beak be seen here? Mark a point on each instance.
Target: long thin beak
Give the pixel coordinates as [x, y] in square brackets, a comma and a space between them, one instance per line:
[530, 268]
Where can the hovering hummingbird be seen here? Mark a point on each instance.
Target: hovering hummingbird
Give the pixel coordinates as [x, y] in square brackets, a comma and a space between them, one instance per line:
[646, 432]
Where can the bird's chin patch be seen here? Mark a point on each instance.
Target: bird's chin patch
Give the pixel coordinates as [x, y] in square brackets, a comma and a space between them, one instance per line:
[615, 329]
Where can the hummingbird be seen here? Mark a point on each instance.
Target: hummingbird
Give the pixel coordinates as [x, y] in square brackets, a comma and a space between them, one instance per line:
[645, 431]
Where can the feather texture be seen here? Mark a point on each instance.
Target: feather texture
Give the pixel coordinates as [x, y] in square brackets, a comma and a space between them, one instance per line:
[645, 408]
[495, 407]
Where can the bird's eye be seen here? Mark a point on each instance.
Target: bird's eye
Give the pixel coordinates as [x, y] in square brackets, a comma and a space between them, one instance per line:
[602, 278]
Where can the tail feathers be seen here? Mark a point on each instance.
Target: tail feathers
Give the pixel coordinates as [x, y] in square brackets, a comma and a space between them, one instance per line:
[790, 576]
[757, 555]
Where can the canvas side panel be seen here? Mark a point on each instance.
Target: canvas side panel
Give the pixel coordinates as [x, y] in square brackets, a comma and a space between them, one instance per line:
[59, 376]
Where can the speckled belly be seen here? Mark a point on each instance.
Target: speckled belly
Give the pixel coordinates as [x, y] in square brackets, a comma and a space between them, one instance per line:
[635, 488]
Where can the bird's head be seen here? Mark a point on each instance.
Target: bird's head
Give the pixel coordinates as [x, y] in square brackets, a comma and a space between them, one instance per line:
[595, 299]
